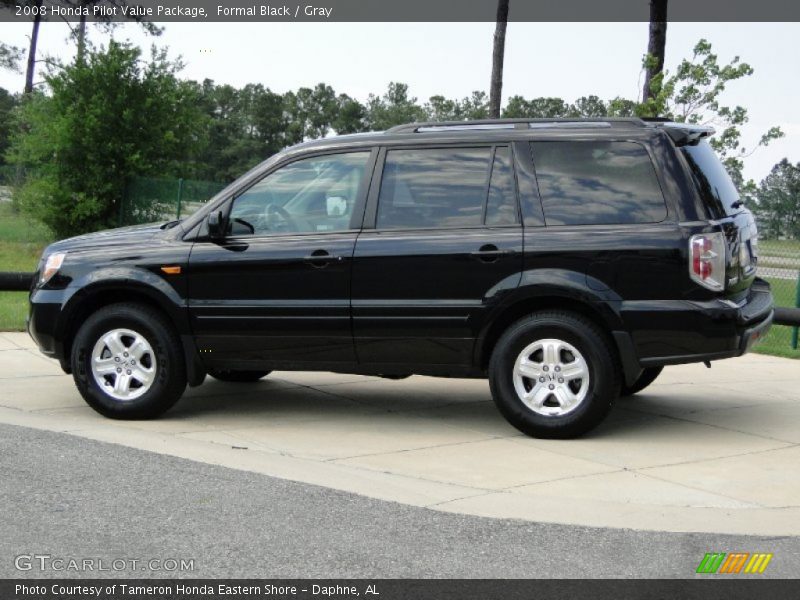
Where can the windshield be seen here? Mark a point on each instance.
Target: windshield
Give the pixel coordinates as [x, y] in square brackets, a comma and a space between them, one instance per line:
[713, 182]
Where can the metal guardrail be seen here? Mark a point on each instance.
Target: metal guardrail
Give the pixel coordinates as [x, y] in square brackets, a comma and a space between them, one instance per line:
[787, 316]
[16, 282]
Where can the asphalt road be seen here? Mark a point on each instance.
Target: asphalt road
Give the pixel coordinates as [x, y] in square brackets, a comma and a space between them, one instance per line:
[72, 498]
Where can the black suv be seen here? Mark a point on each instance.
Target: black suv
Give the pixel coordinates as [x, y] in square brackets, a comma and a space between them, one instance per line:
[569, 261]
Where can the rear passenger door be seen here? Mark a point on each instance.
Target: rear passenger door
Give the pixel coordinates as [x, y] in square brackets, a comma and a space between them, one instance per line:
[442, 240]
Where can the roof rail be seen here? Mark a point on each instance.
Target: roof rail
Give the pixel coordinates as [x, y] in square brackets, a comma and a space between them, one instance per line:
[516, 124]
[656, 119]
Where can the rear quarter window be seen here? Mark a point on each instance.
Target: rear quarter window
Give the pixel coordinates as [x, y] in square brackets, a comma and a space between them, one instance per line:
[714, 184]
[597, 183]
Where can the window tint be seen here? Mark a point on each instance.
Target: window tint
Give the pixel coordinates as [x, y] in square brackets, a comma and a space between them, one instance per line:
[313, 194]
[502, 205]
[597, 183]
[433, 188]
[712, 180]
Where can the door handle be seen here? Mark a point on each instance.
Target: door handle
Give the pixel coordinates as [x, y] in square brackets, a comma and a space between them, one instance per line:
[490, 253]
[319, 259]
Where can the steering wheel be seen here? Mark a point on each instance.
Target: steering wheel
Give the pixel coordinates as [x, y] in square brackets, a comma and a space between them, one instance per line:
[273, 209]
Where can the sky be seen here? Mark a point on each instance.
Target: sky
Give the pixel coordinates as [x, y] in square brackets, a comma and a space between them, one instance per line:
[566, 60]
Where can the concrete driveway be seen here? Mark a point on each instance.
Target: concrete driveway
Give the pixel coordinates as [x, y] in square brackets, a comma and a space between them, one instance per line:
[701, 450]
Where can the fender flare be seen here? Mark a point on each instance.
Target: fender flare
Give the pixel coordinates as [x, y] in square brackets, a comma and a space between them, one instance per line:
[143, 283]
[550, 285]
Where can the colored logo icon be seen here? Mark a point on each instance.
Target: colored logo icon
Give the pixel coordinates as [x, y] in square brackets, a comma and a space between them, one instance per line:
[733, 563]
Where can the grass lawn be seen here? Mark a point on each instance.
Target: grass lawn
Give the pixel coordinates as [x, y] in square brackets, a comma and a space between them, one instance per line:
[778, 340]
[21, 245]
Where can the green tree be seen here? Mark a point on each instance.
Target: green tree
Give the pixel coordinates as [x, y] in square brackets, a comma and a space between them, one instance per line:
[588, 106]
[474, 106]
[104, 20]
[439, 108]
[78, 32]
[536, 108]
[10, 57]
[622, 107]
[350, 115]
[242, 128]
[395, 107]
[777, 202]
[693, 94]
[105, 121]
[7, 104]
[245, 126]
[311, 112]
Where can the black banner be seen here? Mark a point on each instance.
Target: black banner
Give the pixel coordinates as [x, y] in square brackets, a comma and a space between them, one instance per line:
[711, 588]
[399, 10]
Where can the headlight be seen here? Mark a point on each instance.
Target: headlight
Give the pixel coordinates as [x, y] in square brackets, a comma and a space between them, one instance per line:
[51, 266]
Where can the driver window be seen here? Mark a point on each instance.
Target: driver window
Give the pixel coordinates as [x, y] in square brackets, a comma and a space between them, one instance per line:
[310, 195]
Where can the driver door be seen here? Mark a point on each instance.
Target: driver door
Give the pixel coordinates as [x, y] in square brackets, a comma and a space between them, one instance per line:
[276, 290]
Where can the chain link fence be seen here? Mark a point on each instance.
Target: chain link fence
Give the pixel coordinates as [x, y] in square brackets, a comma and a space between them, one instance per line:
[779, 263]
[149, 199]
[10, 176]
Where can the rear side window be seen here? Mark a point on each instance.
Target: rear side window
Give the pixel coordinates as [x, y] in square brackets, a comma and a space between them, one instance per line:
[712, 180]
[447, 188]
[434, 187]
[597, 183]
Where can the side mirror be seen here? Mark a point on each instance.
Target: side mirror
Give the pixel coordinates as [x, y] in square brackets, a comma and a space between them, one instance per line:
[215, 225]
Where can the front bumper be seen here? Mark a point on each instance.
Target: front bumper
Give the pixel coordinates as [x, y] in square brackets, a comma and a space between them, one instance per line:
[44, 321]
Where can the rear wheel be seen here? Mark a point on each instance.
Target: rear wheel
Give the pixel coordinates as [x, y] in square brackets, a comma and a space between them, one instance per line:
[238, 376]
[554, 375]
[647, 377]
[127, 362]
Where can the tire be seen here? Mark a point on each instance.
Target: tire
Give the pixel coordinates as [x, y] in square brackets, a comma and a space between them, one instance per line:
[149, 352]
[647, 377]
[238, 376]
[575, 345]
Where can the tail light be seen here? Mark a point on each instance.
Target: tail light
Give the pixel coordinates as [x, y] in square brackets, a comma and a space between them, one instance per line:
[707, 260]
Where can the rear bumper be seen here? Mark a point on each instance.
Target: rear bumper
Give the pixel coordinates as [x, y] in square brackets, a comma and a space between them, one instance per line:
[755, 333]
[678, 332]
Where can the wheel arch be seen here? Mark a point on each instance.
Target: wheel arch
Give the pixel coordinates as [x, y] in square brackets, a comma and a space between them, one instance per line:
[95, 296]
[552, 288]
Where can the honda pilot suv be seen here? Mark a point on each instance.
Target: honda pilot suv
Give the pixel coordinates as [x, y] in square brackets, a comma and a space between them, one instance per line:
[567, 261]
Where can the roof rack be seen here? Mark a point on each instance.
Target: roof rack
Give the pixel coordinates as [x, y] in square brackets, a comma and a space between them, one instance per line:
[597, 122]
[681, 133]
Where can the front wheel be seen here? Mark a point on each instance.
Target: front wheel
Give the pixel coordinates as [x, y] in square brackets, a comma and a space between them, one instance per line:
[554, 375]
[127, 362]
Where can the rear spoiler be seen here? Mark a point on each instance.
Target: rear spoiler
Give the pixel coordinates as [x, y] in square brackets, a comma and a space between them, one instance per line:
[683, 134]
